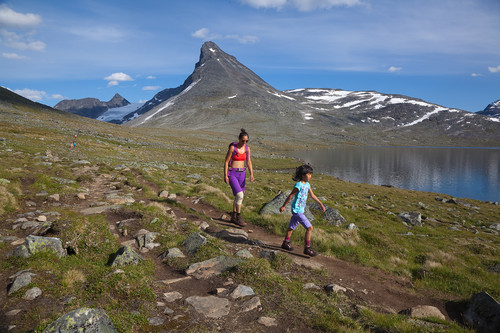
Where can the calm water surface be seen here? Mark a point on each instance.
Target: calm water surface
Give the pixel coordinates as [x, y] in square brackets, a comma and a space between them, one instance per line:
[460, 172]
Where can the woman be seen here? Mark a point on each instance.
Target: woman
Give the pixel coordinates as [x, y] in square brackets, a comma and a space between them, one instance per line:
[234, 173]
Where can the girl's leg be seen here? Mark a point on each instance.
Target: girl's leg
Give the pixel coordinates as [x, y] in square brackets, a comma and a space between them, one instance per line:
[307, 240]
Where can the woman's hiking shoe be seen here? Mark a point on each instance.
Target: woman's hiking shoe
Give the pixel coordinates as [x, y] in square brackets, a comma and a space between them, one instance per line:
[287, 246]
[310, 252]
[239, 220]
[233, 217]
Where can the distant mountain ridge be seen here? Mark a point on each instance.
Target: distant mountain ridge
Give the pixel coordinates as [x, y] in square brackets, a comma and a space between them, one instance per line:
[224, 95]
[492, 110]
[90, 107]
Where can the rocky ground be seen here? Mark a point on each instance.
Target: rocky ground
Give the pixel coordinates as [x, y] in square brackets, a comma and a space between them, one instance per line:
[206, 294]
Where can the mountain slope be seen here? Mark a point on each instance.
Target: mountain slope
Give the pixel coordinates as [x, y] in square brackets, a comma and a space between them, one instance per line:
[90, 107]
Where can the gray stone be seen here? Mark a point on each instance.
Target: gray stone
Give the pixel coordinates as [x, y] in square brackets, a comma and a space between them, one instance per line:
[211, 267]
[495, 268]
[54, 197]
[145, 238]
[172, 253]
[424, 311]
[156, 321]
[82, 320]
[483, 313]
[118, 199]
[32, 293]
[311, 285]
[63, 181]
[495, 226]
[163, 194]
[245, 254]
[335, 288]
[267, 321]
[273, 207]
[242, 291]
[21, 280]
[233, 235]
[251, 304]
[172, 296]
[36, 244]
[210, 306]
[125, 256]
[413, 218]
[331, 215]
[268, 254]
[352, 226]
[193, 242]
[99, 209]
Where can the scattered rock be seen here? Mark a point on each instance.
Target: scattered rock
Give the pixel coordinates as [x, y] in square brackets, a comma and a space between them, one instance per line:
[12, 313]
[483, 313]
[335, 288]
[21, 280]
[32, 293]
[424, 311]
[210, 306]
[267, 321]
[311, 285]
[352, 226]
[54, 197]
[172, 296]
[331, 215]
[211, 267]
[119, 200]
[233, 235]
[163, 194]
[145, 239]
[495, 268]
[172, 253]
[41, 218]
[242, 291]
[495, 226]
[245, 254]
[251, 304]
[36, 244]
[82, 320]
[193, 242]
[413, 218]
[125, 256]
[268, 254]
[156, 321]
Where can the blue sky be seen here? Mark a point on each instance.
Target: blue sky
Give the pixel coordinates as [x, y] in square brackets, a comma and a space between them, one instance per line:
[445, 52]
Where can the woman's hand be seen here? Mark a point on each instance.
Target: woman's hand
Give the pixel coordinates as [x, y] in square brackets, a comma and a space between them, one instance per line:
[226, 179]
[251, 178]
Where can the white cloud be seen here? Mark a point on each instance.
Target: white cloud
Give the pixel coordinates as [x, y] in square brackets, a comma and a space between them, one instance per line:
[476, 74]
[21, 42]
[494, 69]
[14, 56]
[393, 69]
[57, 96]
[301, 5]
[115, 78]
[205, 34]
[151, 77]
[152, 88]
[12, 19]
[34, 95]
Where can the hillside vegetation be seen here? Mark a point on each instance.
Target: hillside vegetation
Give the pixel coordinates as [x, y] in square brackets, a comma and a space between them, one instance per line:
[449, 258]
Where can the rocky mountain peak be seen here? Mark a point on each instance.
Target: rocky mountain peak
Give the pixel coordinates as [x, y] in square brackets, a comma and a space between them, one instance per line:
[492, 110]
[90, 107]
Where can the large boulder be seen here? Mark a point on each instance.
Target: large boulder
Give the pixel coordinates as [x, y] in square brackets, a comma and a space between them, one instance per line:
[483, 313]
[212, 267]
[412, 218]
[273, 206]
[36, 244]
[332, 216]
[194, 242]
[82, 320]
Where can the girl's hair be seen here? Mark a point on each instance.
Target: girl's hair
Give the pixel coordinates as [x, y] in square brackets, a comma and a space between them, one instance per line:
[243, 133]
[301, 171]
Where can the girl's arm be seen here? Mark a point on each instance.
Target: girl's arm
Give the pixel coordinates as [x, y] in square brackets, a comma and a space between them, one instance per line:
[226, 163]
[249, 164]
[294, 191]
[315, 198]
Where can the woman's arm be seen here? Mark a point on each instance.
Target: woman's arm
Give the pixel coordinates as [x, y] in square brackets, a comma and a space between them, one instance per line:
[315, 198]
[294, 191]
[249, 164]
[226, 163]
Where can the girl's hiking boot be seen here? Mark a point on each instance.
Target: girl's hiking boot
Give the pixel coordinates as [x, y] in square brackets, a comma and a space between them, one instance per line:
[310, 252]
[287, 246]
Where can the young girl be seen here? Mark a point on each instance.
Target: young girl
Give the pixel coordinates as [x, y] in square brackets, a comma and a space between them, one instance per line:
[234, 173]
[301, 189]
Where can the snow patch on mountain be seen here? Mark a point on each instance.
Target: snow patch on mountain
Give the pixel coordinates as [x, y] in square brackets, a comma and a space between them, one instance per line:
[119, 113]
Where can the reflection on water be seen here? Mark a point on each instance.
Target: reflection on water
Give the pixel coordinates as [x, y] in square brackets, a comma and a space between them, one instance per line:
[460, 172]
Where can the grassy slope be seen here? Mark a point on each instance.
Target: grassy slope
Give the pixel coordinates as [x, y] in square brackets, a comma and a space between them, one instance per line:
[452, 263]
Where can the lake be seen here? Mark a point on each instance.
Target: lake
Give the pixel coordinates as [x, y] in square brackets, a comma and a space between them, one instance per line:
[460, 172]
